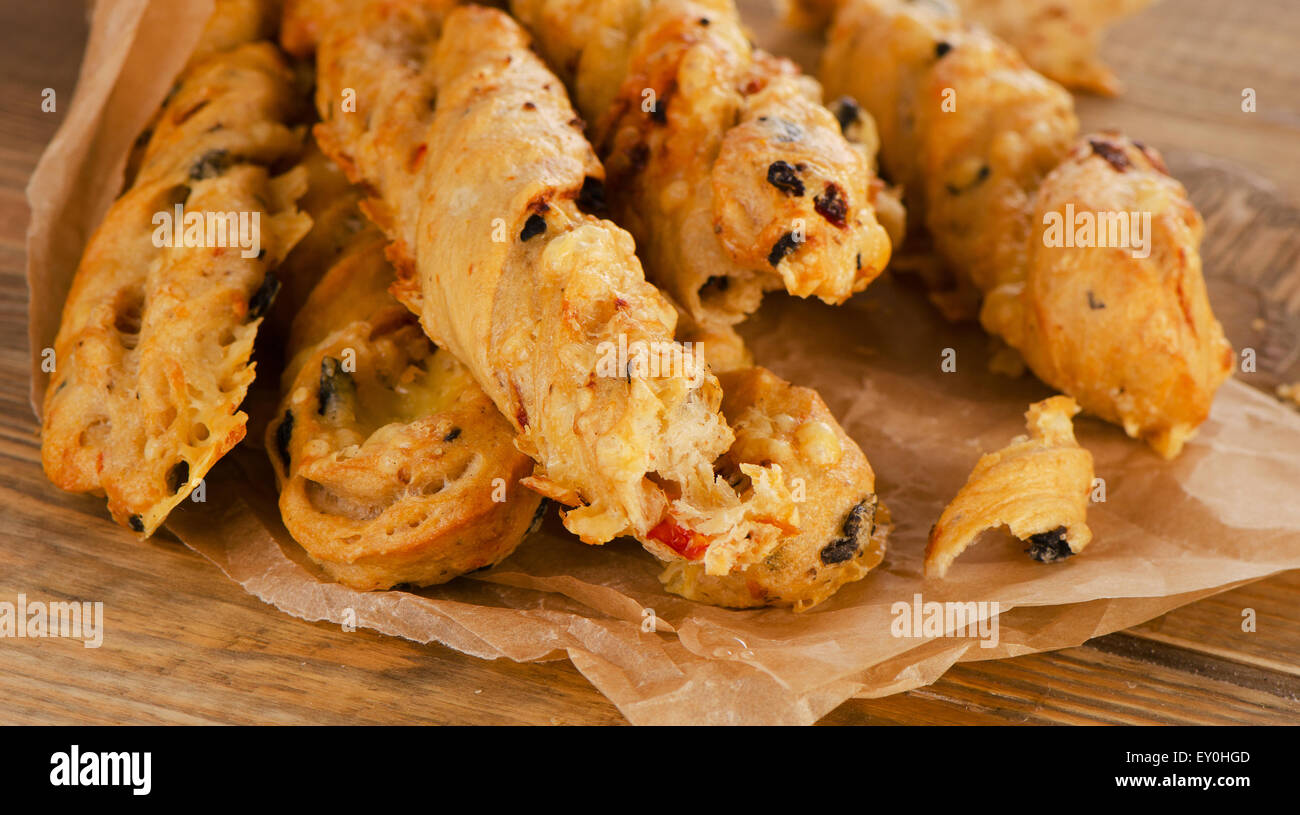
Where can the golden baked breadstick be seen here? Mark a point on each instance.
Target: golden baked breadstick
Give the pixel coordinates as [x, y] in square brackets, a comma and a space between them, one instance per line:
[152, 356]
[1037, 487]
[723, 163]
[332, 204]
[1058, 38]
[233, 23]
[394, 466]
[842, 524]
[475, 161]
[1084, 249]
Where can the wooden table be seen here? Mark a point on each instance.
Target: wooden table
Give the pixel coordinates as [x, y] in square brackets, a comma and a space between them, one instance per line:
[188, 645]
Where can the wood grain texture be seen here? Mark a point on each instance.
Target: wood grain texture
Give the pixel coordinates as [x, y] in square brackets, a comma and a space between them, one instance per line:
[186, 645]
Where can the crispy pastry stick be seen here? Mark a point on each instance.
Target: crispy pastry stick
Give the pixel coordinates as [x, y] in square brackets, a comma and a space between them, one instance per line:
[475, 160]
[152, 356]
[1037, 486]
[1058, 38]
[233, 23]
[394, 466]
[723, 163]
[842, 523]
[988, 151]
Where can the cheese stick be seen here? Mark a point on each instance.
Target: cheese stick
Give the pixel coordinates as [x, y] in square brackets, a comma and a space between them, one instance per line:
[393, 465]
[1084, 249]
[1058, 38]
[152, 356]
[475, 162]
[723, 163]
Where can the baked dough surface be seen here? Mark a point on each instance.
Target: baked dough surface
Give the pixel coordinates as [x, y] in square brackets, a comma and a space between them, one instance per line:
[152, 356]
[477, 163]
[986, 148]
[1037, 486]
[394, 466]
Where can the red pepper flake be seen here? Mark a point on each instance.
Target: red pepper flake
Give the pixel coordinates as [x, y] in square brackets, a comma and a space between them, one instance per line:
[689, 544]
[417, 157]
[1113, 153]
[832, 205]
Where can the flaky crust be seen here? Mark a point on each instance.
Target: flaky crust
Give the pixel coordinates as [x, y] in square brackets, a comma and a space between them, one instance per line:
[153, 350]
[1037, 486]
[393, 465]
[986, 147]
[842, 524]
[476, 159]
[723, 163]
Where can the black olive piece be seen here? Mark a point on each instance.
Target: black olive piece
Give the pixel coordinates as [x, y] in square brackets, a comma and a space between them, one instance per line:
[833, 206]
[1049, 547]
[283, 434]
[784, 177]
[335, 383]
[941, 48]
[1113, 153]
[136, 522]
[262, 298]
[856, 530]
[847, 111]
[178, 476]
[210, 165]
[592, 196]
[534, 226]
[783, 246]
[538, 514]
[452, 435]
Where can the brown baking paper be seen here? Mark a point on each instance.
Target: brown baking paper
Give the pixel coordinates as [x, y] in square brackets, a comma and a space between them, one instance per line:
[1168, 533]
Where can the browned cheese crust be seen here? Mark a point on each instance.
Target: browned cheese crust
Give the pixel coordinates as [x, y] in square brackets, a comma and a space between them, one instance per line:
[475, 161]
[1037, 486]
[723, 163]
[842, 524]
[986, 148]
[152, 356]
[394, 466]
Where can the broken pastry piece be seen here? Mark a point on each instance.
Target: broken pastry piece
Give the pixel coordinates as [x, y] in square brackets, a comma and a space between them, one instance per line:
[1084, 249]
[842, 523]
[153, 350]
[393, 465]
[1037, 486]
[723, 163]
[477, 170]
